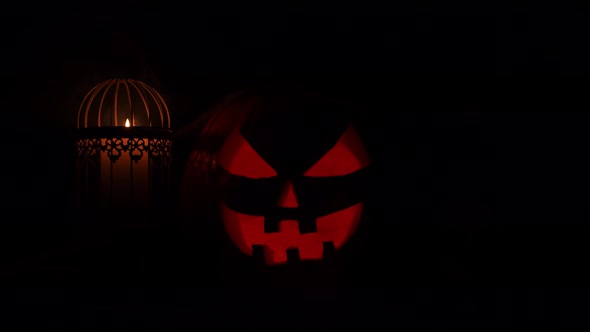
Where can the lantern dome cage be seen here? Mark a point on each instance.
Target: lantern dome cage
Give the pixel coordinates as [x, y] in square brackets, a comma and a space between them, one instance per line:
[123, 146]
[123, 103]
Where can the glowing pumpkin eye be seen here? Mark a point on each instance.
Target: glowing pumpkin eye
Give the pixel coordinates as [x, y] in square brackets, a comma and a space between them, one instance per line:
[238, 157]
[347, 156]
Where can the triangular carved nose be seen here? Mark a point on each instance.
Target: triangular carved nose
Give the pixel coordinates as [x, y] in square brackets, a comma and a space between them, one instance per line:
[288, 198]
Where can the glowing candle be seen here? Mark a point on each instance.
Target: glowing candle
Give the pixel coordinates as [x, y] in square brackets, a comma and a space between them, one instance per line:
[125, 181]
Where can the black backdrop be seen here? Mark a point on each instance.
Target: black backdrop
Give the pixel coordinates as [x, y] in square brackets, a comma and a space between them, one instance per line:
[475, 118]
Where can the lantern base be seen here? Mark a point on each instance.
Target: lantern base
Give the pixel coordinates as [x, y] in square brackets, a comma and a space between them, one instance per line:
[123, 168]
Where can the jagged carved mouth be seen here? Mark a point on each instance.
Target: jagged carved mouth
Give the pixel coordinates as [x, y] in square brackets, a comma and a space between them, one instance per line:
[286, 233]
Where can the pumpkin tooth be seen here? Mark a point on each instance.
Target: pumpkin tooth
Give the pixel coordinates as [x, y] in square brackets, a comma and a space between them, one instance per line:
[306, 224]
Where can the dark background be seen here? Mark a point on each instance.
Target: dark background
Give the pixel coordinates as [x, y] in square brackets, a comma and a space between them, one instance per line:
[475, 118]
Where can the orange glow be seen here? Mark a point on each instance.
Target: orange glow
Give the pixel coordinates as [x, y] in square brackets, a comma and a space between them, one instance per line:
[347, 156]
[239, 158]
[127, 124]
[124, 181]
[247, 230]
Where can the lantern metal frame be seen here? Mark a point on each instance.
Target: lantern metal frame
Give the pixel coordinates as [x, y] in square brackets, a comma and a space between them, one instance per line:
[149, 146]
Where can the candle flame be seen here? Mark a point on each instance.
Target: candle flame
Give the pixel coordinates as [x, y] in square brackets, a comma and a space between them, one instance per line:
[127, 123]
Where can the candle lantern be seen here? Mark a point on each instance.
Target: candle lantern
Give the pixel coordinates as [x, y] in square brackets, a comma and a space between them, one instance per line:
[123, 146]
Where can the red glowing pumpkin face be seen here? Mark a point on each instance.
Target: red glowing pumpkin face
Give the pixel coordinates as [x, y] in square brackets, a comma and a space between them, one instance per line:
[294, 178]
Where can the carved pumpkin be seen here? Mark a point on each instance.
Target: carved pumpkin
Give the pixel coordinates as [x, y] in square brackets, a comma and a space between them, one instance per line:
[288, 174]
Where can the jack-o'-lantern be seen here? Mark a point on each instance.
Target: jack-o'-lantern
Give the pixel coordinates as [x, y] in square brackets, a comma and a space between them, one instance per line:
[287, 173]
